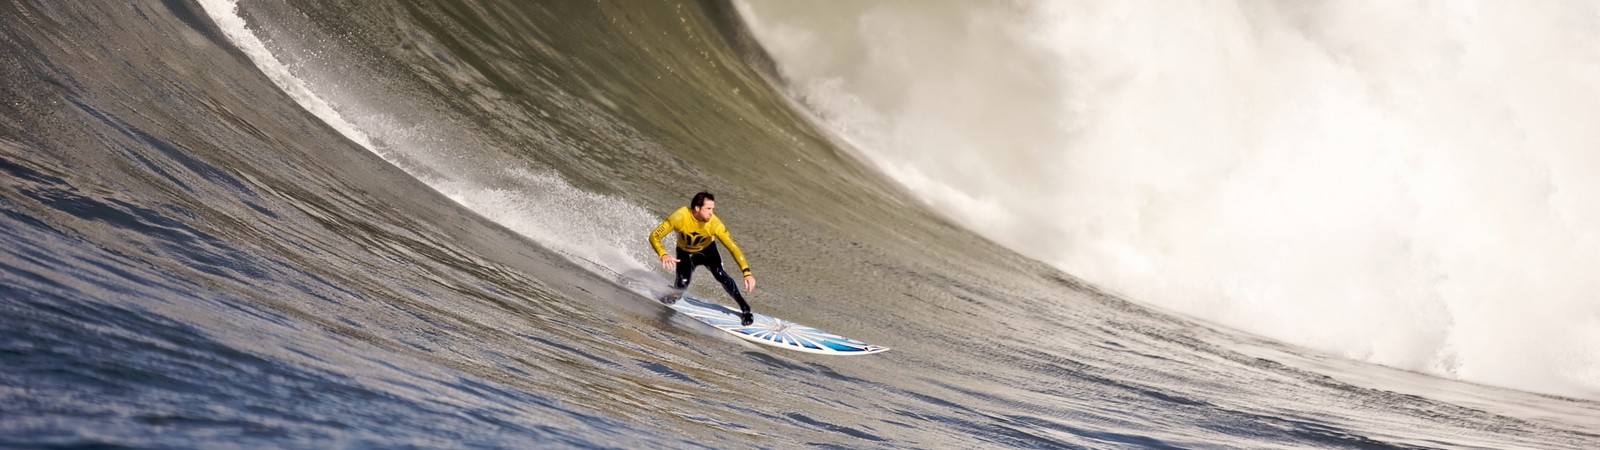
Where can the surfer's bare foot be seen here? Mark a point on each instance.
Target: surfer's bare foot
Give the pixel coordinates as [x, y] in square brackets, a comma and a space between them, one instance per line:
[747, 318]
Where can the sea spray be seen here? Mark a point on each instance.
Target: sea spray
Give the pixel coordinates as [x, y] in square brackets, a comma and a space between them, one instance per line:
[1411, 184]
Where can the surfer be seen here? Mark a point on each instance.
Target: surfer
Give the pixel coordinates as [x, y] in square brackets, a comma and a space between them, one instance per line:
[698, 229]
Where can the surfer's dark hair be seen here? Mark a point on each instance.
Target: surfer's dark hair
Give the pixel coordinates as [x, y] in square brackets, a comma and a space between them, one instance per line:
[700, 199]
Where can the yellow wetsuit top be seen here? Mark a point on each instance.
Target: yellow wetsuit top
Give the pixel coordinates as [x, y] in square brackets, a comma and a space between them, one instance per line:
[694, 236]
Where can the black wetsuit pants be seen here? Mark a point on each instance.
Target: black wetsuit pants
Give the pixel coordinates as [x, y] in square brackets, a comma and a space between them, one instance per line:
[712, 259]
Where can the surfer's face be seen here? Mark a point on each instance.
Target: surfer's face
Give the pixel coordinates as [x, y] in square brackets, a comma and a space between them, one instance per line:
[703, 213]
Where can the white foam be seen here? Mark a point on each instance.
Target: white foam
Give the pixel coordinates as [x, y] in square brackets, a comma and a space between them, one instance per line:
[601, 233]
[1414, 184]
[225, 14]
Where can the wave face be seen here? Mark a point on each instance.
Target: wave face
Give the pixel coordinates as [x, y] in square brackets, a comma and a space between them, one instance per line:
[1405, 183]
[421, 224]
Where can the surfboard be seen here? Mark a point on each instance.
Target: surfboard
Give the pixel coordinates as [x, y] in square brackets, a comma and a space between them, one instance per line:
[768, 330]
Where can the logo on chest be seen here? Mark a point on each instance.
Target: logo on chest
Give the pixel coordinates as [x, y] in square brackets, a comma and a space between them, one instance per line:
[696, 239]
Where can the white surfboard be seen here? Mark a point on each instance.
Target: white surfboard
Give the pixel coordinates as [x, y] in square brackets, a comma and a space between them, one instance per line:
[768, 330]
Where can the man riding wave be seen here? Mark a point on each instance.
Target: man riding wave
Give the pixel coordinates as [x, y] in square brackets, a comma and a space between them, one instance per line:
[698, 230]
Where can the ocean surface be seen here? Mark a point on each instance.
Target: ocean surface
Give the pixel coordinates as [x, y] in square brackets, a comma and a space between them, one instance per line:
[384, 224]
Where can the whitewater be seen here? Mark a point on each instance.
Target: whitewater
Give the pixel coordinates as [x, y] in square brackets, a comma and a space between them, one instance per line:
[1408, 183]
[422, 225]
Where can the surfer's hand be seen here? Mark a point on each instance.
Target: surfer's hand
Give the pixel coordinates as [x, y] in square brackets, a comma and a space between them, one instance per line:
[749, 283]
[667, 262]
